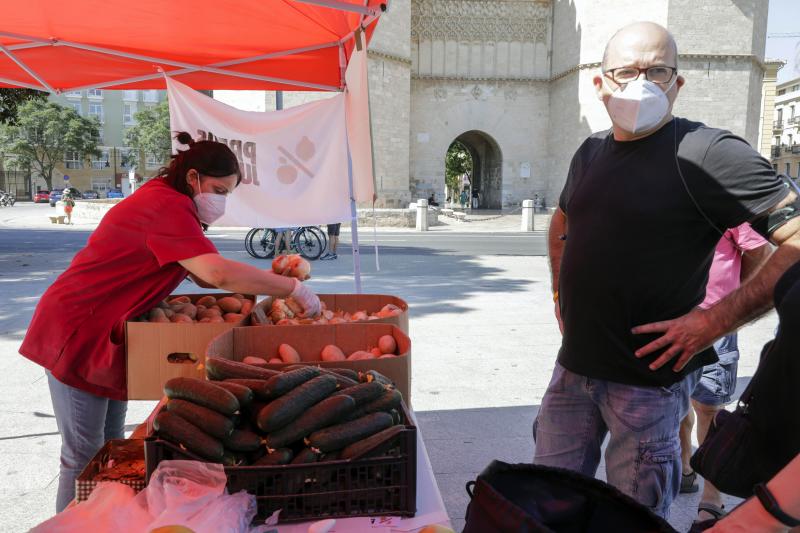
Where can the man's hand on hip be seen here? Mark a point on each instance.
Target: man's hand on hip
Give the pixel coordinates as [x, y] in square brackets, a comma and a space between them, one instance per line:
[684, 337]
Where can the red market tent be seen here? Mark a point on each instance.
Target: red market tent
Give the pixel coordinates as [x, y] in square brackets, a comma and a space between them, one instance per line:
[58, 46]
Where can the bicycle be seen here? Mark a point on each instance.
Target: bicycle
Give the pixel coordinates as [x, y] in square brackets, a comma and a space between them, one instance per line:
[308, 241]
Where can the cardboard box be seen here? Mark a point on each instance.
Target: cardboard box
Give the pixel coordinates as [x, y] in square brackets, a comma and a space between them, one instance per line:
[371, 303]
[157, 352]
[120, 460]
[263, 341]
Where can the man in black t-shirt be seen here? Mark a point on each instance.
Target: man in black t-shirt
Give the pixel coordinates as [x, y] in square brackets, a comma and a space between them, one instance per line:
[645, 203]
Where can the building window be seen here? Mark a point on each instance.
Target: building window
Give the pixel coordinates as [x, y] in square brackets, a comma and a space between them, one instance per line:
[100, 161]
[152, 161]
[128, 110]
[788, 169]
[150, 96]
[130, 95]
[791, 112]
[780, 114]
[96, 110]
[781, 92]
[73, 94]
[94, 93]
[123, 158]
[76, 106]
[73, 160]
[796, 87]
[790, 139]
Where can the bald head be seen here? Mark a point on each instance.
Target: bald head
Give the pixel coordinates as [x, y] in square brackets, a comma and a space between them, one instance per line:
[641, 44]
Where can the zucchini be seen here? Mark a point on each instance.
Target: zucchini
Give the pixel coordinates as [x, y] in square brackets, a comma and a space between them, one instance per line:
[386, 402]
[341, 435]
[175, 429]
[327, 412]
[215, 424]
[374, 375]
[202, 393]
[363, 393]
[286, 381]
[242, 441]
[219, 369]
[282, 456]
[374, 445]
[242, 393]
[306, 455]
[258, 386]
[280, 412]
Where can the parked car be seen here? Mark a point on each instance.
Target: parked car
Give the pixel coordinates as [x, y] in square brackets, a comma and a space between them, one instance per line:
[114, 193]
[41, 197]
[90, 195]
[56, 194]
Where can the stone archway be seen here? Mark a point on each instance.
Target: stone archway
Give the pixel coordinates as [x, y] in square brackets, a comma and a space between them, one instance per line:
[487, 168]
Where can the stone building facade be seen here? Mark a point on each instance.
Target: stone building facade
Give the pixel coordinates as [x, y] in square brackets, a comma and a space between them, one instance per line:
[512, 80]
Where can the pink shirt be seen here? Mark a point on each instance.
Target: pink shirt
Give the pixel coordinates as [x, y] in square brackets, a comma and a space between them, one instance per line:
[726, 270]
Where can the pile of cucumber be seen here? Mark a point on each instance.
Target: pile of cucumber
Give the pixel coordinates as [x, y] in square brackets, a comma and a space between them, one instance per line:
[247, 415]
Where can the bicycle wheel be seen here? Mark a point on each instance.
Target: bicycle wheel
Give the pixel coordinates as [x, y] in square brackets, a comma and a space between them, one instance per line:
[262, 243]
[323, 237]
[247, 237]
[307, 244]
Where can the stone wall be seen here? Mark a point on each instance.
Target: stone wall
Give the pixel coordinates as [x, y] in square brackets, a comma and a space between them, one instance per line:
[398, 218]
[92, 210]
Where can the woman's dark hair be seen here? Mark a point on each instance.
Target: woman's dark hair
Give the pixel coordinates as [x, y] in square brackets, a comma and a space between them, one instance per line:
[209, 158]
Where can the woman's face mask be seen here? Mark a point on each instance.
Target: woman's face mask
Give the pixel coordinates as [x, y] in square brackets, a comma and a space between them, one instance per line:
[638, 107]
[210, 206]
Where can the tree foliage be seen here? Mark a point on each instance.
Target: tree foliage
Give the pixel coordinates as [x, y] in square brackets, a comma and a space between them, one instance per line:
[43, 133]
[151, 134]
[458, 162]
[11, 99]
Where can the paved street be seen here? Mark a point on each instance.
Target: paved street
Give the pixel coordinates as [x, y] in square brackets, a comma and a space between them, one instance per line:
[484, 345]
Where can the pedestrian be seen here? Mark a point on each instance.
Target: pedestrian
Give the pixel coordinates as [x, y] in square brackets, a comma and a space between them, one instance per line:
[69, 204]
[283, 240]
[333, 241]
[140, 252]
[739, 253]
[537, 203]
[630, 246]
[463, 198]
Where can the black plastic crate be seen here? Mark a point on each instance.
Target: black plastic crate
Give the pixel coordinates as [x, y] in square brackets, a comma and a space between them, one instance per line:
[378, 486]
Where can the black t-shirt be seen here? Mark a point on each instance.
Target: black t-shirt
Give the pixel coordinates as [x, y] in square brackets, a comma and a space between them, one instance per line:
[638, 250]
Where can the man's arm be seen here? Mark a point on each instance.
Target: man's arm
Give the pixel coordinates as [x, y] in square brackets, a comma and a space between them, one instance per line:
[555, 245]
[752, 260]
[698, 329]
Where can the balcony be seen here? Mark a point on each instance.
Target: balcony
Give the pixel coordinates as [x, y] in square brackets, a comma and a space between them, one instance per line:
[776, 152]
[795, 149]
[793, 121]
[777, 125]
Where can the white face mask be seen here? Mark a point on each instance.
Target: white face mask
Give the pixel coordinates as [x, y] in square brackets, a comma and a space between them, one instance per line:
[210, 206]
[639, 107]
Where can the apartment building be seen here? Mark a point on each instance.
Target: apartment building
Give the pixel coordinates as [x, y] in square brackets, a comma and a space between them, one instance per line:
[786, 129]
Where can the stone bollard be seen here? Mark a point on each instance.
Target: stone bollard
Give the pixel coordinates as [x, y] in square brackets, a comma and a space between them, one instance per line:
[527, 215]
[422, 215]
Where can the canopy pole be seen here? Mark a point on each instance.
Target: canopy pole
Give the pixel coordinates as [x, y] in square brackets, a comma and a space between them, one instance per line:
[353, 224]
[343, 6]
[27, 69]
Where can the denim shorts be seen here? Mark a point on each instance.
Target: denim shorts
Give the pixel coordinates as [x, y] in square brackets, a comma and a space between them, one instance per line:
[718, 380]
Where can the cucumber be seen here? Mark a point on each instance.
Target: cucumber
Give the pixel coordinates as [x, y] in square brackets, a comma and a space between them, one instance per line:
[389, 400]
[306, 455]
[286, 381]
[374, 445]
[280, 412]
[175, 429]
[363, 393]
[345, 379]
[374, 375]
[202, 393]
[242, 393]
[219, 369]
[215, 424]
[282, 456]
[327, 412]
[231, 458]
[258, 386]
[242, 441]
[342, 435]
[332, 456]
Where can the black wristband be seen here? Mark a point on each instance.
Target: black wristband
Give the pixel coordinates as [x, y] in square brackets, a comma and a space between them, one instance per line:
[771, 505]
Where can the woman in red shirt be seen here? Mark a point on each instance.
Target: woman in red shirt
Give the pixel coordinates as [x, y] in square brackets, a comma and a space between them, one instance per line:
[140, 252]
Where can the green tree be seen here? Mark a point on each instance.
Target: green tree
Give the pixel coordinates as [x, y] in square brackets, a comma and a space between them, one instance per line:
[458, 162]
[44, 132]
[11, 99]
[150, 136]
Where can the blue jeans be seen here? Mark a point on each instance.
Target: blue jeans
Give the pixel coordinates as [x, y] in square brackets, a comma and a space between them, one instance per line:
[85, 422]
[643, 457]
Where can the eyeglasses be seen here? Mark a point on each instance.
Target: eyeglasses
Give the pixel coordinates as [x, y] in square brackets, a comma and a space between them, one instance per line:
[624, 75]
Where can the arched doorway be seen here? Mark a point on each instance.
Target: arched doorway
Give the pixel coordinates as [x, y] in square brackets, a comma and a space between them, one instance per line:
[486, 177]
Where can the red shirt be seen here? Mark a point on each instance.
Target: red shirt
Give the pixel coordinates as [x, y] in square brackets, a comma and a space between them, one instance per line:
[129, 264]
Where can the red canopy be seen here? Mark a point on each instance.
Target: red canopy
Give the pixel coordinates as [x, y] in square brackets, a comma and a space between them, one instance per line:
[56, 45]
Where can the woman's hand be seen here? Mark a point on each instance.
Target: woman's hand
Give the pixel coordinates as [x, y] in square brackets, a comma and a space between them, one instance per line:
[306, 298]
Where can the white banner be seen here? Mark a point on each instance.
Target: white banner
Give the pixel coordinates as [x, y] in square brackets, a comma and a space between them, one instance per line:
[294, 161]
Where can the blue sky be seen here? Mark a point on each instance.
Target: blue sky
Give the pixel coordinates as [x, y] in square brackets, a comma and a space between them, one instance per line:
[784, 17]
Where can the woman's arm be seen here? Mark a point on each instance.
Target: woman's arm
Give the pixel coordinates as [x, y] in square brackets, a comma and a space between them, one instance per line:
[234, 276]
